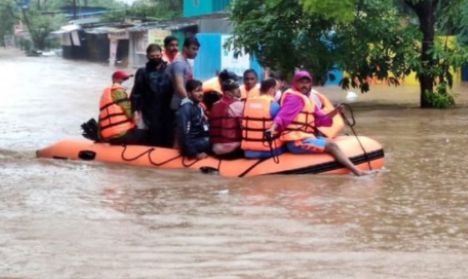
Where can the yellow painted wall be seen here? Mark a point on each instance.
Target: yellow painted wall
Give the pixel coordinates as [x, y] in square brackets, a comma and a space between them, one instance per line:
[411, 78]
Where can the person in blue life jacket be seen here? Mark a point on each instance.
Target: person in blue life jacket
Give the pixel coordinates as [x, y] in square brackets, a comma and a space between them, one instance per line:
[192, 123]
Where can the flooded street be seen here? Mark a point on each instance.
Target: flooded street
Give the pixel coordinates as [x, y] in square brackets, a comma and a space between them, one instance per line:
[65, 219]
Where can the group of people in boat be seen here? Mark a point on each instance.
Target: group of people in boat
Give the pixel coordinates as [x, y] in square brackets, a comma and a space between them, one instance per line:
[167, 107]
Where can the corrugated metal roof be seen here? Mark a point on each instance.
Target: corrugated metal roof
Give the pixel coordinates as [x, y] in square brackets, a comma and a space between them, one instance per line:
[103, 30]
[164, 24]
[88, 20]
[175, 24]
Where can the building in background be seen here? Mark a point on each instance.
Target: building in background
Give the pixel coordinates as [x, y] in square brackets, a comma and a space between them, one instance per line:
[214, 31]
[154, 32]
[204, 7]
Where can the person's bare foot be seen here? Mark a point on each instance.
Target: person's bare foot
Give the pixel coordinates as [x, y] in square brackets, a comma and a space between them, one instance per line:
[364, 173]
[359, 172]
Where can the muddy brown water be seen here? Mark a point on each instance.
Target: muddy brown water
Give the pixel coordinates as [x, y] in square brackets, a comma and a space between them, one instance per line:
[63, 219]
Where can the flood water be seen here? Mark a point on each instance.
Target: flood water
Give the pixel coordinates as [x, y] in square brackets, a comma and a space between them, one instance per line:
[64, 219]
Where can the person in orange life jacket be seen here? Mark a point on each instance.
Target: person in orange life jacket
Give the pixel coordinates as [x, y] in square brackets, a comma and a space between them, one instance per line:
[257, 118]
[151, 95]
[117, 123]
[249, 88]
[192, 124]
[298, 118]
[325, 106]
[171, 49]
[316, 97]
[225, 121]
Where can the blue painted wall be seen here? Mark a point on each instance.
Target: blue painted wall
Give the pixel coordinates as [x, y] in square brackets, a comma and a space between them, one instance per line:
[334, 76]
[203, 7]
[465, 72]
[219, 5]
[208, 61]
[254, 64]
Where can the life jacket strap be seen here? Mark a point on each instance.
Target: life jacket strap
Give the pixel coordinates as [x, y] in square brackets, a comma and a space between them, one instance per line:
[111, 115]
[116, 102]
[115, 124]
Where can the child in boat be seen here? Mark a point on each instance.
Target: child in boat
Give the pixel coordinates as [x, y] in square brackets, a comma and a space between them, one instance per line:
[192, 124]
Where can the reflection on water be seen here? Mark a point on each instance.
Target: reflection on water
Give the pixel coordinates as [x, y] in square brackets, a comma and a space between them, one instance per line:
[62, 219]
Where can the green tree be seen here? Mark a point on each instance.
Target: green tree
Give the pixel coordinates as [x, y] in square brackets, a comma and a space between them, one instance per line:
[436, 57]
[146, 10]
[40, 25]
[366, 38]
[374, 42]
[281, 36]
[156, 9]
[41, 18]
[9, 18]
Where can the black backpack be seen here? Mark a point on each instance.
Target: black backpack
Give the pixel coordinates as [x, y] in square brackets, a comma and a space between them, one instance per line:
[90, 130]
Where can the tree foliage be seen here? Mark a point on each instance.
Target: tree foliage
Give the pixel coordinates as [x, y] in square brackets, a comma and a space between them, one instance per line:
[281, 36]
[340, 11]
[380, 39]
[7, 14]
[156, 9]
[40, 24]
[437, 17]
[39, 17]
[146, 10]
[376, 43]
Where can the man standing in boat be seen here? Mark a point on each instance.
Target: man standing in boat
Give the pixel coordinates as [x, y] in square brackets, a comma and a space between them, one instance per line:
[171, 49]
[117, 123]
[298, 119]
[179, 72]
[151, 95]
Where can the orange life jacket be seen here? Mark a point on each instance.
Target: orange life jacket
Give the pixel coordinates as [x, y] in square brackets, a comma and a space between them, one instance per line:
[303, 126]
[338, 122]
[113, 121]
[212, 84]
[253, 92]
[255, 121]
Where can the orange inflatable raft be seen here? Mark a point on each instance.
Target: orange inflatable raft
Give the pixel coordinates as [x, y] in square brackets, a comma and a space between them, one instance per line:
[372, 157]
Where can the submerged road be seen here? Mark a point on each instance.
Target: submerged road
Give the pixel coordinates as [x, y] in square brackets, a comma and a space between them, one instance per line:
[63, 219]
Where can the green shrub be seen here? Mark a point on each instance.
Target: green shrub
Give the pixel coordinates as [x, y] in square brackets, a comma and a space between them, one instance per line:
[441, 98]
[25, 44]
